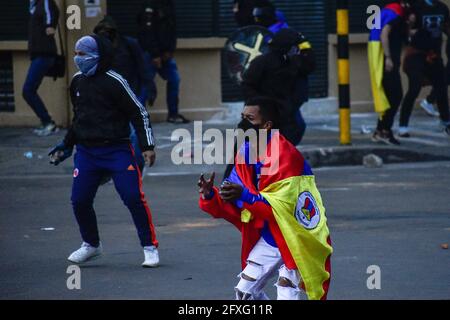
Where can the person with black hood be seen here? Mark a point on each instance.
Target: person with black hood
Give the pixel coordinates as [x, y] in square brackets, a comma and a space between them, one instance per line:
[243, 12]
[157, 37]
[129, 62]
[44, 15]
[103, 106]
[278, 73]
[267, 15]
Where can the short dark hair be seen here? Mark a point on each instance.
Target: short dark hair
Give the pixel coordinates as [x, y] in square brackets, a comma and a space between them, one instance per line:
[269, 109]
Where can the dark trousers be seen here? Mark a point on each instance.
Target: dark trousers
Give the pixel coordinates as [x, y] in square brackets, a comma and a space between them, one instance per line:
[392, 85]
[432, 96]
[169, 73]
[91, 164]
[417, 69]
[36, 73]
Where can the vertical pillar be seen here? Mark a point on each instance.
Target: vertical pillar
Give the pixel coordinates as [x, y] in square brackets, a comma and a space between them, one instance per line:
[343, 72]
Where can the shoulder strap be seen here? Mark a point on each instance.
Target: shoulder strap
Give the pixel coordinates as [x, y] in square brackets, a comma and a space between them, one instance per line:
[60, 39]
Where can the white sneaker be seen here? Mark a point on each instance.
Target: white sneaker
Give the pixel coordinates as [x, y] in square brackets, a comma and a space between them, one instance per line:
[403, 132]
[46, 130]
[151, 257]
[429, 108]
[85, 253]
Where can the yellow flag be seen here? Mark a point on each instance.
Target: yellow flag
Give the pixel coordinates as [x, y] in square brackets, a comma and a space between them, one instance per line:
[297, 206]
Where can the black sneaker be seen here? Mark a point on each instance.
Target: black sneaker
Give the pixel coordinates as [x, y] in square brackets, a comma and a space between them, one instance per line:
[447, 130]
[376, 136]
[178, 119]
[386, 137]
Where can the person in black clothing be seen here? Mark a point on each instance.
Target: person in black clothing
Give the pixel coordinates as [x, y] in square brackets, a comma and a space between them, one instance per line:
[428, 103]
[243, 12]
[104, 105]
[157, 37]
[423, 60]
[129, 62]
[393, 36]
[276, 75]
[42, 49]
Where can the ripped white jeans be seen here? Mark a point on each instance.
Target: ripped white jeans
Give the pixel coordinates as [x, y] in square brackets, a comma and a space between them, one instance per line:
[263, 261]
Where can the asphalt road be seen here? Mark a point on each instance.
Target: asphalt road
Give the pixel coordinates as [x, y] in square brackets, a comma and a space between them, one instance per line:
[396, 217]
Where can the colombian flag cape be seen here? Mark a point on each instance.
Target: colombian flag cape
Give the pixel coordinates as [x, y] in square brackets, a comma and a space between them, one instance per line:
[376, 57]
[299, 214]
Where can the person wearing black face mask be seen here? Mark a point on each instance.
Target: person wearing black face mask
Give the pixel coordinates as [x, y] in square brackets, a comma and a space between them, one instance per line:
[264, 13]
[244, 199]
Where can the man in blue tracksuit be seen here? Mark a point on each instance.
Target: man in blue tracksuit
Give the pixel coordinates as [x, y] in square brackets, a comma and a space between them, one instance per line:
[104, 105]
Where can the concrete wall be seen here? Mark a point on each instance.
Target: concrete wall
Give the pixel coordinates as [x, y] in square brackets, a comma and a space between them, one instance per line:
[198, 62]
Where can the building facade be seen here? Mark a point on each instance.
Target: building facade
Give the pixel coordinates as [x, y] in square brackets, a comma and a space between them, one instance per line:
[202, 26]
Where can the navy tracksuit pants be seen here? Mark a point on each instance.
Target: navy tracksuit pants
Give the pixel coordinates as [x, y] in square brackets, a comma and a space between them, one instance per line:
[91, 164]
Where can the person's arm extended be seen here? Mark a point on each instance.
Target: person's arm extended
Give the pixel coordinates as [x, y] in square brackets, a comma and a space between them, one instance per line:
[389, 64]
[220, 209]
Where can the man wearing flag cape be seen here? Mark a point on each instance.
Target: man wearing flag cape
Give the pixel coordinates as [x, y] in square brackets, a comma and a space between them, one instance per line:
[384, 55]
[273, 200]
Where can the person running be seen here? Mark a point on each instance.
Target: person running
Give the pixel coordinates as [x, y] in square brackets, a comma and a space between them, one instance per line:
[384, 53]
[428, 104]
[273, 201]
[104, 105]
[423, 60]
[44, 15]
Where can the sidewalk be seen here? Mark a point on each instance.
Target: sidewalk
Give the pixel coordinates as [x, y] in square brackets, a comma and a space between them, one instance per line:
[22, 153]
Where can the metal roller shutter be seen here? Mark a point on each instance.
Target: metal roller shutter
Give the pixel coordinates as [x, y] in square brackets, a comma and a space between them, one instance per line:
[14, 19]
[195, 18]
[206, 18]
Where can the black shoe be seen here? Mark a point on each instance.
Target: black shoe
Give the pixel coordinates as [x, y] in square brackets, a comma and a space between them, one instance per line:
[178, 119]
[447, 130]
[386, 137]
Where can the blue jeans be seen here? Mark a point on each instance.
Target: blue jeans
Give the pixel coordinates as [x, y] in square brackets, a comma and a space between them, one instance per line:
[36, 73]
[169, 72]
